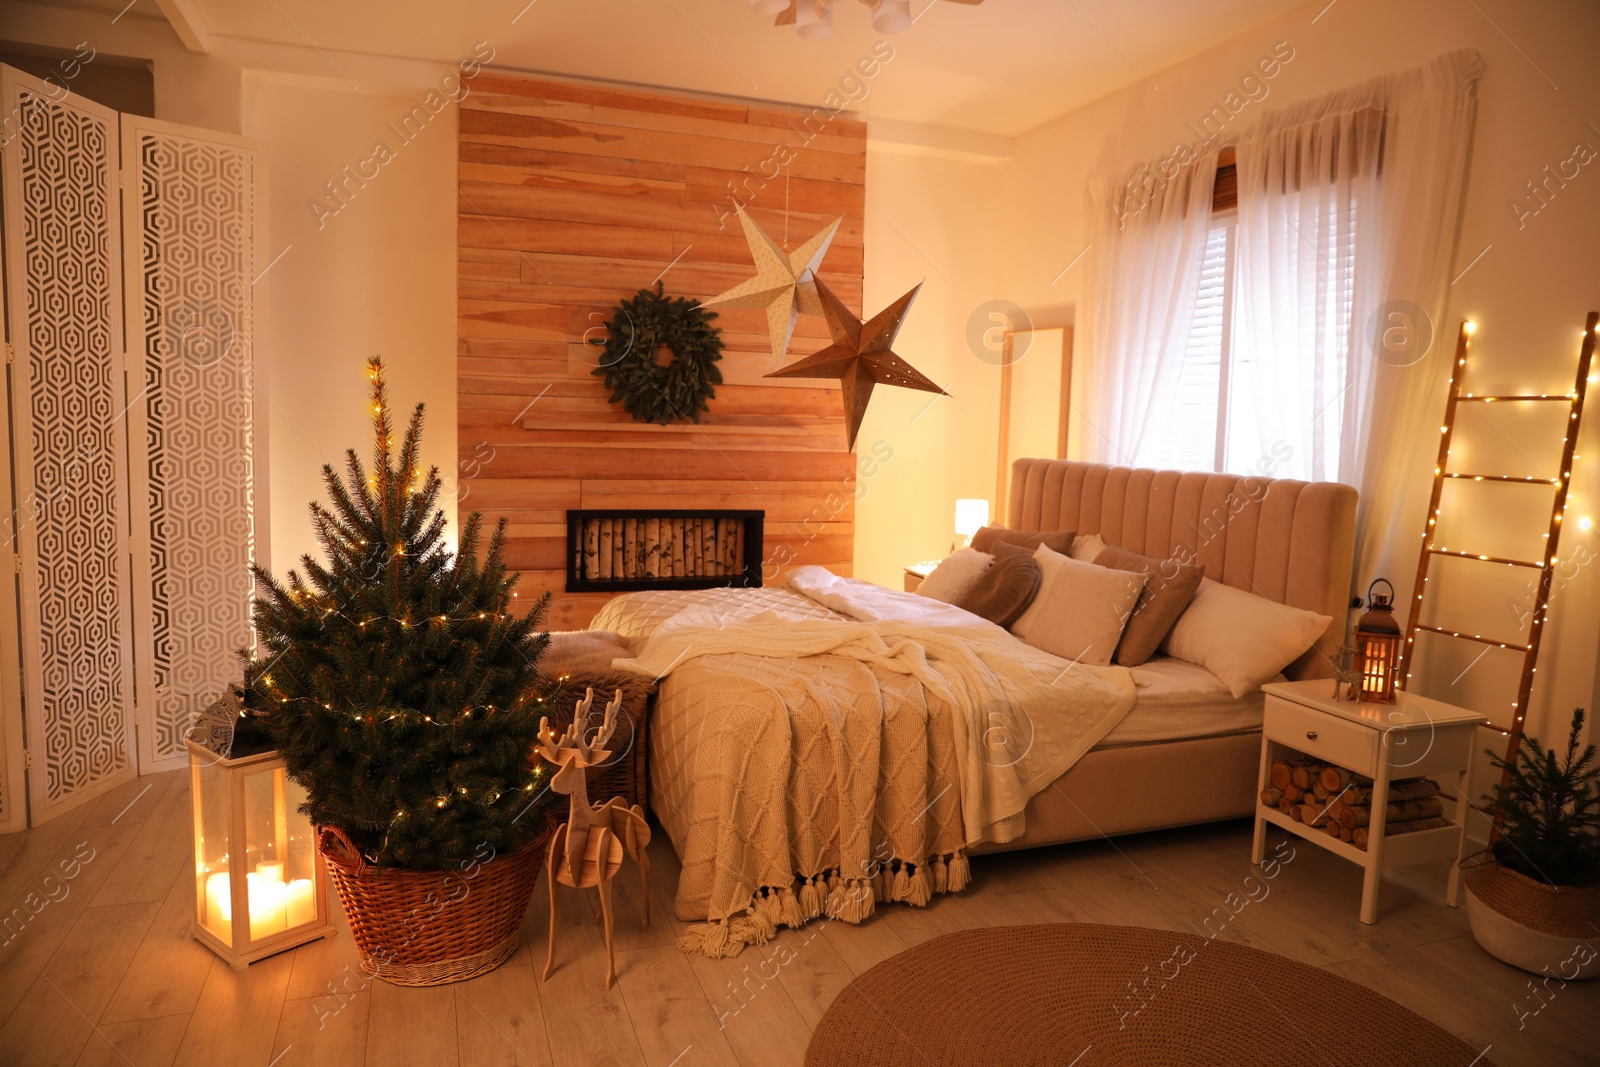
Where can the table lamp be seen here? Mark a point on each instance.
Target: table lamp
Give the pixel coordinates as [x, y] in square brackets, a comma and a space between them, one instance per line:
[971, 516]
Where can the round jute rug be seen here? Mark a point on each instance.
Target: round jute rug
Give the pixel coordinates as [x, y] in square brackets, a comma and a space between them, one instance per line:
[1093, 996]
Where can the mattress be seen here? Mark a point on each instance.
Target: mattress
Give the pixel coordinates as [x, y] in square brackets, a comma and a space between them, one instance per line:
[1178, 700]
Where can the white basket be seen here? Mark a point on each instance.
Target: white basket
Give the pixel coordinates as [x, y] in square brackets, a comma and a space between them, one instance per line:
[1530, 949]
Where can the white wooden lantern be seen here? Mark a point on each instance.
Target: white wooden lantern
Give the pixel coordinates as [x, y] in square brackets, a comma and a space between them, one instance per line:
[260, 885]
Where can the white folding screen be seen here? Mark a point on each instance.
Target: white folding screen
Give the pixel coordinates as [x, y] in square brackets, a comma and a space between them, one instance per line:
[69, 440]
[189, 219]
[132, 497]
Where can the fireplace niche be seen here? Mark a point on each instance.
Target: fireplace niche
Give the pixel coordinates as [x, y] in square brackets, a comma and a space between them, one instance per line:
[619, 551]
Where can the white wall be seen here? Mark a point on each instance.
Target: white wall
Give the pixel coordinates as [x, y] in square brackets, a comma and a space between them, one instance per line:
[929, 218]
[378, 277]
[1528, 294]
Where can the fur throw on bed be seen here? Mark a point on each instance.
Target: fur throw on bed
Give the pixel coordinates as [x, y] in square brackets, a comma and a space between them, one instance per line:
[587, 654]
[581, 659]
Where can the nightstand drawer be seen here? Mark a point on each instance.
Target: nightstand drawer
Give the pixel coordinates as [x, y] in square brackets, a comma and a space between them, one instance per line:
[1332, 740]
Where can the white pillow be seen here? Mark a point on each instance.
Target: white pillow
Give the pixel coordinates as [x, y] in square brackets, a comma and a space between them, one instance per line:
[1080, 609]
[1240, 637]
[1087, 548]
[955, 576]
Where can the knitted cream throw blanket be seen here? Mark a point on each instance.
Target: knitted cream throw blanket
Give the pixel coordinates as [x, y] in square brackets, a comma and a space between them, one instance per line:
[844, 758]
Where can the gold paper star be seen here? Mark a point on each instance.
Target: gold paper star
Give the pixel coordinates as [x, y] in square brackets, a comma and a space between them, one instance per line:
[860, 356]
[784, 283]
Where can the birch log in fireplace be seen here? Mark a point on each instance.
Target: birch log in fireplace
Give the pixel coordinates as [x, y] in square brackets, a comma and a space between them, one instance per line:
[616, 551]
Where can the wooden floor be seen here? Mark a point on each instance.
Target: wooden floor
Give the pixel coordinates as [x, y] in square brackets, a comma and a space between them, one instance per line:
[106, 973]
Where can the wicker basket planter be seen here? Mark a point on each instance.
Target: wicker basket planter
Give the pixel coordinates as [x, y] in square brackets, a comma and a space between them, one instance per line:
[1539, 928]
[421, 928]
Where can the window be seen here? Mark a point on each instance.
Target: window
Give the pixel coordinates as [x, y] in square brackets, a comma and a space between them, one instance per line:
[1217, 419]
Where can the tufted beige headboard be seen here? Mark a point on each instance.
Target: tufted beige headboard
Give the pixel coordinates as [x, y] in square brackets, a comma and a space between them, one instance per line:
[1291, 542]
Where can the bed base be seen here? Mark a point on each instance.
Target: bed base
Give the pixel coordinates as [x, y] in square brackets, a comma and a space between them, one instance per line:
[1155, 786]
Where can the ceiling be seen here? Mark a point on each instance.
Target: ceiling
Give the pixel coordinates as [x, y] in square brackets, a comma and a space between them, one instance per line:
[1004, 67]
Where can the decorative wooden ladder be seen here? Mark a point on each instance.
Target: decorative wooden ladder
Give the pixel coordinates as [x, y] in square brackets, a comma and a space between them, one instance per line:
[1546, 564]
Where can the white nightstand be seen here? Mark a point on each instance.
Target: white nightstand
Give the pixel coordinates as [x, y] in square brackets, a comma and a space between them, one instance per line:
[1415, 737]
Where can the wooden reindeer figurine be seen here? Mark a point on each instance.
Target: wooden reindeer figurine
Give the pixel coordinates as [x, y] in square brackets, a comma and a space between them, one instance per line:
[588, 850]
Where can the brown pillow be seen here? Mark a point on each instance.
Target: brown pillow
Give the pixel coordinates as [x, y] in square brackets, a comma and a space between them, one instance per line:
[1002, 549]
[1167, 592]
[1005, 589]
[1057, 541]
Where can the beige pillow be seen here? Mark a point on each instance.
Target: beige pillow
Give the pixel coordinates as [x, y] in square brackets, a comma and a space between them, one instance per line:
[1170, 588]
[985, 539]
[1005, 590]
[955, 574]
[1242, 638]
[1087, 548]
[1080, 609]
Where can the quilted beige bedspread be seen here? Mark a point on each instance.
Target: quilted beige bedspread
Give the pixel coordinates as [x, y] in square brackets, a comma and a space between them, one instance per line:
[819, 749]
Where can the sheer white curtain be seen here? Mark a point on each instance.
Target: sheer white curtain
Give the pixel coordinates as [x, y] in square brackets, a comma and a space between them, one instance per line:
[1149, 244]
[1349, 209]
[1303, 193]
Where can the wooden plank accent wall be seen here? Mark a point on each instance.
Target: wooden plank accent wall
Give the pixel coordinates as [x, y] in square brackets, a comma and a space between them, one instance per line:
[575, 196]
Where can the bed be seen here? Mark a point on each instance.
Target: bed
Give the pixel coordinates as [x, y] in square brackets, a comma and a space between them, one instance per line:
[788, 797]
[1292, 542]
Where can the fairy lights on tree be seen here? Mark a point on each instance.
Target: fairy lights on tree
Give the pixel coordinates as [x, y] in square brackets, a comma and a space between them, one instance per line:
[397, 680]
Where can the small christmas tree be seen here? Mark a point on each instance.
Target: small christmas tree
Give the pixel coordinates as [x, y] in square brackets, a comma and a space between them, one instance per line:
[1547, 811]
[398, 683]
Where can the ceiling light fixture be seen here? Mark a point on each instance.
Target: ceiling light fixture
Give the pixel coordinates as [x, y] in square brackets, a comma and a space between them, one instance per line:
[813, 19]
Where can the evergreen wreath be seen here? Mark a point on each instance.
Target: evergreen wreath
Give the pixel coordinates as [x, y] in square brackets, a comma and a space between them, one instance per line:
[638, 328]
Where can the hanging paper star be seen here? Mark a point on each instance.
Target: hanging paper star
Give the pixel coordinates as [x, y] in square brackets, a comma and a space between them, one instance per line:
[860, 356]
[784, 283]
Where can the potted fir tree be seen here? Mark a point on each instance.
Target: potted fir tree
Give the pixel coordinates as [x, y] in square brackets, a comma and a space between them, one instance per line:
[400, 688]
[1534, 897]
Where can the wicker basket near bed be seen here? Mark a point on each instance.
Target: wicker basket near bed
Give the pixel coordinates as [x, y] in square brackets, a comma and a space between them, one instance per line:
[389, 911]
[1543, 929]
[581, 659]
[392, 911]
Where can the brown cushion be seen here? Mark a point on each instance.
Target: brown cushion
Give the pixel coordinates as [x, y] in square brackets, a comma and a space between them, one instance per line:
[1002, 549]
[1168, 591]
[1055, 540]
[1005, 590]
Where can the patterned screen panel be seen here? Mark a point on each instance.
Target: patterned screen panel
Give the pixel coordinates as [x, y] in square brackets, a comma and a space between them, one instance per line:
[68, 441]
[191, 229]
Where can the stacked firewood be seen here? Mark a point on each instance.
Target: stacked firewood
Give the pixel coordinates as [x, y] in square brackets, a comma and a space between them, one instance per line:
[631, 548]
[1339, 802]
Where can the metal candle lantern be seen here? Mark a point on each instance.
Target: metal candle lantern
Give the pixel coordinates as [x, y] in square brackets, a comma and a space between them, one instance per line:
[260, 886]
[1377, 647]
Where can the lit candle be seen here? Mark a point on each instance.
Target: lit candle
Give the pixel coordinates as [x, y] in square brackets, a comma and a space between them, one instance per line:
[302, 904]
[275, 905]
[219, 904]
[268, 909]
